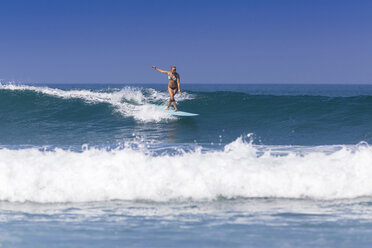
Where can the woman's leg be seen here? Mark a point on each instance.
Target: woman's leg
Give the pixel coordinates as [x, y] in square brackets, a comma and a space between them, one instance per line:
[174, 91]
[171, 97]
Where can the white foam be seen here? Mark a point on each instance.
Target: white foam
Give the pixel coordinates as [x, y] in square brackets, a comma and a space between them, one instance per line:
[129, 101]
[237, 171]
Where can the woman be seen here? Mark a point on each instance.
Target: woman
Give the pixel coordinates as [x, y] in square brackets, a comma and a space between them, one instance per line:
[173, 85]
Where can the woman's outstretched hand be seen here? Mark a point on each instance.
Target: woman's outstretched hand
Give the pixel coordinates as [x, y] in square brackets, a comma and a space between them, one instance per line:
[154, 67]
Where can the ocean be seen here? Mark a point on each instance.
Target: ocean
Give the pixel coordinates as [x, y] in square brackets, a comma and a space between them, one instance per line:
[99, 165]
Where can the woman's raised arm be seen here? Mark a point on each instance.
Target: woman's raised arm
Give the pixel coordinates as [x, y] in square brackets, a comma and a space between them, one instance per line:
[159, 70]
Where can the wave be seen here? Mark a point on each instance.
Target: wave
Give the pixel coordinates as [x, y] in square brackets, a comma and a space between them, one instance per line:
[134, 102]
[36, 114]
[239, 170]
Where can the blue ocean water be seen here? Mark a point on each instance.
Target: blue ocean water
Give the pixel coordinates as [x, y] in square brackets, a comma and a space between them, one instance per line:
[261, 166]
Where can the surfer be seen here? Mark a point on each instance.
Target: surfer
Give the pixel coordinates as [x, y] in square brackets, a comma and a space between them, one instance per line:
[173, 85]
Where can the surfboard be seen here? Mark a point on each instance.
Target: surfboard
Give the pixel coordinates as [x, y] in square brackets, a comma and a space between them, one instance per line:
[177, 113]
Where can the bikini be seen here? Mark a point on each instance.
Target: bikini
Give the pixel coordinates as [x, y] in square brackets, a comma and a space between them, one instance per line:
[173, 83]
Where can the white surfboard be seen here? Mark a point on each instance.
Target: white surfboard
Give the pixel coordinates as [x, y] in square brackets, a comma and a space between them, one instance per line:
[177, 113]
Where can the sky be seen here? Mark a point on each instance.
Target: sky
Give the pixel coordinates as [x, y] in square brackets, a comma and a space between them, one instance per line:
[235, 41]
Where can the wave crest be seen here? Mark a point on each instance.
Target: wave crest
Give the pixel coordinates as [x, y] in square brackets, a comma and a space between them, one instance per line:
[134, 102]
[237, 171]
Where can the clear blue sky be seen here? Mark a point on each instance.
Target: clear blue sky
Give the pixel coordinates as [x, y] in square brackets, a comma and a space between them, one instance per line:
[262, 41]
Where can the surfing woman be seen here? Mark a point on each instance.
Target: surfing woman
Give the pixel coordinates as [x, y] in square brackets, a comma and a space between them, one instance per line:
[173, 85]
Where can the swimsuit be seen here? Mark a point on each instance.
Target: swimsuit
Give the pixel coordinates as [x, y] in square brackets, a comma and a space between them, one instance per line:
[175, 79]
[172, 84]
